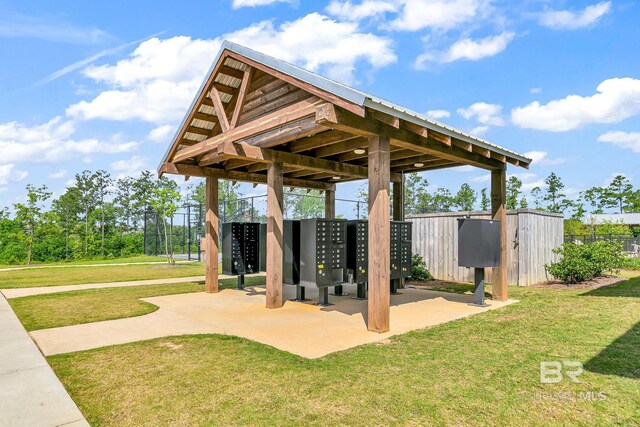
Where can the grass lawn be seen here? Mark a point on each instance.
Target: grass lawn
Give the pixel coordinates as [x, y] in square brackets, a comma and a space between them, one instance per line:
[80, 275]
[93, 305]
[483, 370]
[136, 258]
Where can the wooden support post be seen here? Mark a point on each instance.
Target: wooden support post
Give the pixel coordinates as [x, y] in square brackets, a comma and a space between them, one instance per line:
[499, 212]
[329, 204]
[211, 240]
[379, 234]
[274, 235]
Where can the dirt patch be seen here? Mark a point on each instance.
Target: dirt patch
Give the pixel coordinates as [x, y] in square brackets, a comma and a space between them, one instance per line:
[599, 282]
[171, 345]
[385, 341]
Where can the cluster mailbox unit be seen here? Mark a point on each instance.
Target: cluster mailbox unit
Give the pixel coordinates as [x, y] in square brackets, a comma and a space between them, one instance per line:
[240, 241]
[323, 254]
[478, 248]
[358, 253]
[316, 253]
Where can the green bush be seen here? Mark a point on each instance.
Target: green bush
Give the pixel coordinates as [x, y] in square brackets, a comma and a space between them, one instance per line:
[419, 269]
[585, 262]
[631, 264]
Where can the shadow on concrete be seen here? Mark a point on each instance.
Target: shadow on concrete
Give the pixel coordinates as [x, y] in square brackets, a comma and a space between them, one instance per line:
[621, 357]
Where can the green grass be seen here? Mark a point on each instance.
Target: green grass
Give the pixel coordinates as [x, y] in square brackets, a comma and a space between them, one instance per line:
[136, 258]
[631, 263]
[483, 370]
[80, 275]
[94, 305]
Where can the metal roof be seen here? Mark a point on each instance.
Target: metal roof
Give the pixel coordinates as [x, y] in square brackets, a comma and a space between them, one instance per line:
[614, 218]
[349, 94]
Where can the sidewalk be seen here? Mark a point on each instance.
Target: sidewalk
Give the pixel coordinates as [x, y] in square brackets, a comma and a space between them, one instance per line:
[25, 292]
[30, 393]
[34, 267]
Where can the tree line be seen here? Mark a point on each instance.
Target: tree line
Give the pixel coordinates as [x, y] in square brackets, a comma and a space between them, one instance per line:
[101, 217]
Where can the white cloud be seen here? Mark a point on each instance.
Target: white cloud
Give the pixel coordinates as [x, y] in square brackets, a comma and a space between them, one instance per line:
[157, 81]
[161, 133]
[479, 130]
[438, 14]
[348, 11]
[253, 3]
[481, 178]
[569, 20]
[616, 100]
[541, 158]
[135, 162]
[438, 114]
[59, 174]
[8, 174]
[468, 49]
[484, 113]
[535, 90]
[50, 142]
[628, 140]
[129, 167]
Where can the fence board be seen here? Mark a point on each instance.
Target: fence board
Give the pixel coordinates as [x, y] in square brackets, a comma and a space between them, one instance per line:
[532, 235]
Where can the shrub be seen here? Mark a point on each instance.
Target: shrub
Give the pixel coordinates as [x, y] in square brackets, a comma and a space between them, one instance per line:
[631, 264]
[419, 269]
[585, 262]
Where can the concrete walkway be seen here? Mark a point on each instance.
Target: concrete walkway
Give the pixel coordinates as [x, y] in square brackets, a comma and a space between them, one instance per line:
[25, 292]
[30, 393]
[34, 267]
[300, 328]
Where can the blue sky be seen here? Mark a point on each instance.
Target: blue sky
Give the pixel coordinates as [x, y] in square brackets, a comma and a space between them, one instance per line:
[104, 84]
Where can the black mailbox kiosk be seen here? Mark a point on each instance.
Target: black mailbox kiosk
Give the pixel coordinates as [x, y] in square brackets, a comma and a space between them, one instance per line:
[323, 255]
[358, 253]
[290, 254]
[240, 247]
[478, 248]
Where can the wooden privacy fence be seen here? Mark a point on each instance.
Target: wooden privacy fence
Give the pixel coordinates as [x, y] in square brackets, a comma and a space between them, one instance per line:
[531, 237]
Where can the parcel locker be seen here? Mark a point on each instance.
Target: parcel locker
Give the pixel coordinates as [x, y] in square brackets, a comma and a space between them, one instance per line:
[240, 251]
[323, 256]
[358, 249]
[291, 251]
[400, 249]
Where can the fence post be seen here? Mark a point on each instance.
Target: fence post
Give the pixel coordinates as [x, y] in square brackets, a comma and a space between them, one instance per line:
[144, 234]
[188, 232]
[252, 208]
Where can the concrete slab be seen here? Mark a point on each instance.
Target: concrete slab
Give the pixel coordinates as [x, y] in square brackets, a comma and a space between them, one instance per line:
[294, 328]
[30, 393]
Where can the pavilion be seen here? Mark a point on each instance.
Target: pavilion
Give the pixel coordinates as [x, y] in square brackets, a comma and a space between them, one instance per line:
[261, 120]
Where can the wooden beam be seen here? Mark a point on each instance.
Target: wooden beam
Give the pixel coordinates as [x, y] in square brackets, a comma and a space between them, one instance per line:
[425, 159]
[229, 71]
[206, 117]
[220, 113]
[342, 147]
[327, 96]
[441, 164]
[192, 170]
[211, 235]
[338, 118]
[319, 140]
[224, 88]
[199, 131]
[466, 146]
[271, 121]
[274, 235]
[379, 235]
[242, 92]
[499, 213]
[265, 155]
[384, 117]
[397, 211]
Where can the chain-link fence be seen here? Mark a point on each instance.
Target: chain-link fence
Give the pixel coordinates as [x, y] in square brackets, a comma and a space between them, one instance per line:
[630, 244]
[184, 231]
